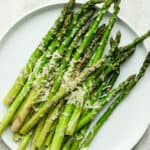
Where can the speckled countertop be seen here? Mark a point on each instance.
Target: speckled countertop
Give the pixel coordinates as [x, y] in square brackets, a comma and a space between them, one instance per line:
[135, 12]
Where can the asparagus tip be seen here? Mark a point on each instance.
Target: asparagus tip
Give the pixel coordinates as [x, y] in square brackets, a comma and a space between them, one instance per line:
[144, 67]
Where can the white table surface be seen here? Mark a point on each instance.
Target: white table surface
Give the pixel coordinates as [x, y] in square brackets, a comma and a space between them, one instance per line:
[135, 12]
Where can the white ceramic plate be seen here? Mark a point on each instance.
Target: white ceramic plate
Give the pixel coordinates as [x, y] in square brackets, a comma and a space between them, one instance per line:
[128, 122]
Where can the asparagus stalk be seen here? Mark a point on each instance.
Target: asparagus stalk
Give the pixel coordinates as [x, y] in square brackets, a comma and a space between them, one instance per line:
[58, 138]
[64, 90]
[78, 138]
[49, 139]
[67, 144]
[50, 136]
[21, 79]
[48, 124]
[84, 8]
[104, 40]
[24, 142]
[114, 43]
[37, 133]
[90, 49]
[78, 109]
[143, 68]
[65, 27]
[136, 41]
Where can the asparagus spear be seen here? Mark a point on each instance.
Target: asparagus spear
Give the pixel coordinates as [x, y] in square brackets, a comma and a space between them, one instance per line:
[18, 84]
[50, 136]
[84, 8]
[78, 138]
[143, 68]
[90, 50]
[63, 91]
[65, 27]
[78, 109]
[67, 144]
[37, 133]
[24, 142]
[24, 110]
[136, 41]
[104, 40]
[48, 124]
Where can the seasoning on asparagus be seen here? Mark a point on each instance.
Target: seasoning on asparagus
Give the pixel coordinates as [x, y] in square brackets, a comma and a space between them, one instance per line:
[62, 92]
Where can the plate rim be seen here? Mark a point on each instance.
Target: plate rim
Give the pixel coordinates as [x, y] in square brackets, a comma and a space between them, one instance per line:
[62, 2]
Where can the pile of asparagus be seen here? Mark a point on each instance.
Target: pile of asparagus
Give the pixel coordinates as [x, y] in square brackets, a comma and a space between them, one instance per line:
[68, 80]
